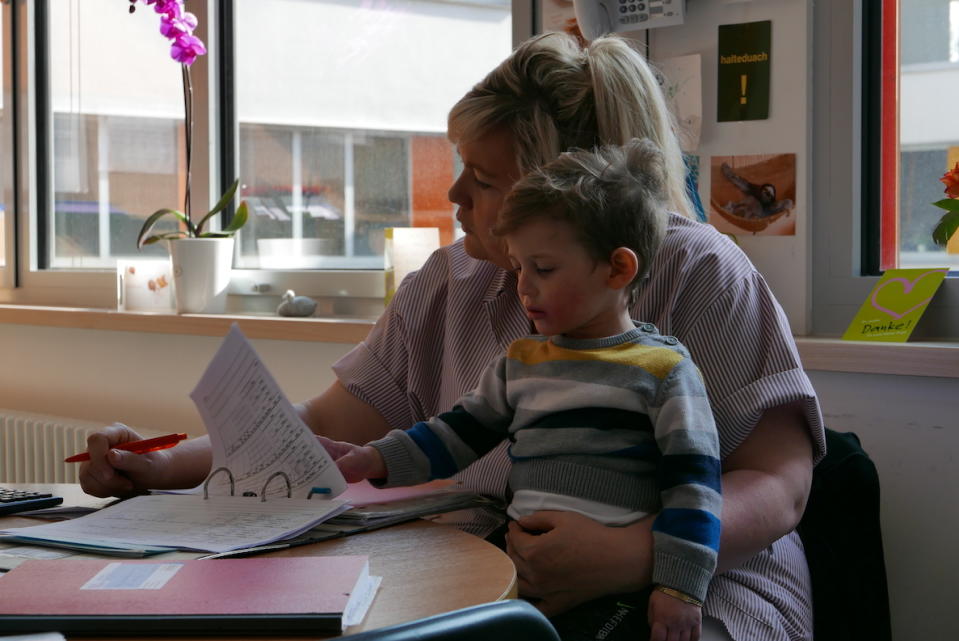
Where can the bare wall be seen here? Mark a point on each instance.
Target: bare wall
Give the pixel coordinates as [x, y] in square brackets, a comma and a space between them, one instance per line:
[136, 378]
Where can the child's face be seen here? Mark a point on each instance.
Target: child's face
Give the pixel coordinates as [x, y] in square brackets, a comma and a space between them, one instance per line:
[564, 290]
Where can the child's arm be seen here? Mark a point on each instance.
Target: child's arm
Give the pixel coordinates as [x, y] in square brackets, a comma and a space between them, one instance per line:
[686, 531]
[437, 448]
[670, 617]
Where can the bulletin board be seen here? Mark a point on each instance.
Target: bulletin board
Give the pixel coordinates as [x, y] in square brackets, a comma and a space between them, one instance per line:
[773, 151]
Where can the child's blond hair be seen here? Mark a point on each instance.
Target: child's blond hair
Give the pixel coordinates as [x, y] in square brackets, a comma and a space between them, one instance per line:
[612, 197]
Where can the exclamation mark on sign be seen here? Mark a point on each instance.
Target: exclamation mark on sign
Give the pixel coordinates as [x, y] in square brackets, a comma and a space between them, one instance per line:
[742, 89]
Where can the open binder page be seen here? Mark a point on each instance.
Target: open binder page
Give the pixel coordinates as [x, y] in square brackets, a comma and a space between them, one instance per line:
[254, 430]
[217, 524]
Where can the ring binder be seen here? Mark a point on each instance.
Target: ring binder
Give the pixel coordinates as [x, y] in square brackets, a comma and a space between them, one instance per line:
[206, 484]
[289, 488]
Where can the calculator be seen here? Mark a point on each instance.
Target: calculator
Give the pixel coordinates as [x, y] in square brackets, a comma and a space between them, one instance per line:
[22, 500]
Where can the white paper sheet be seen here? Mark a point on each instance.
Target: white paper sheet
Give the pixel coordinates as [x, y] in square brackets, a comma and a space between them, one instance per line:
[254, 430]
[682, 83]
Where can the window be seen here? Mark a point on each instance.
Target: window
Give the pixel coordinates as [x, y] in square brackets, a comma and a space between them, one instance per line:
[335, 127]
[342, 130]
[115, 126]
[928, 141]
[881, 140]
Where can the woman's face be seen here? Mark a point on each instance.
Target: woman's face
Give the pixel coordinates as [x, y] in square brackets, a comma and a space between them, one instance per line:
[489, 171]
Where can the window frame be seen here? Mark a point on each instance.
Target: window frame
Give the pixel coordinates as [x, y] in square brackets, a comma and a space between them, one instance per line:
[352, 292]
[844, 137]
[8, 140]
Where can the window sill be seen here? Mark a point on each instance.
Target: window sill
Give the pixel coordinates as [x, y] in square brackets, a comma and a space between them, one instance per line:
[270, 327]
[821, 354]
[902, 359]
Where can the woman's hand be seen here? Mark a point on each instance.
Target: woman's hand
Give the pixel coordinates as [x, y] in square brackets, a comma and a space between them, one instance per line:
[356, 462]
[564, 558]
[111, 472]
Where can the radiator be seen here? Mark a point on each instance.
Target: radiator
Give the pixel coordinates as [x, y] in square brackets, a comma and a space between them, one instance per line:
[33, 446]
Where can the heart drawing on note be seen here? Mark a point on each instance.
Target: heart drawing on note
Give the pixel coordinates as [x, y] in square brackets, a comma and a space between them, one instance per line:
[902, 302]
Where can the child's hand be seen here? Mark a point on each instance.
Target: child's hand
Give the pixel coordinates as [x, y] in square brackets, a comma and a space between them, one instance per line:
[671, 619]
[356, 462]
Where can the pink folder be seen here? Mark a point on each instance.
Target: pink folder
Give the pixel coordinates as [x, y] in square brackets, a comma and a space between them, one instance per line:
[248, 596]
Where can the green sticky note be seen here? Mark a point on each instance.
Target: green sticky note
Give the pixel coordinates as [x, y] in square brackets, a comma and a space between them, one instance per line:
[745, 60]
[895, 305]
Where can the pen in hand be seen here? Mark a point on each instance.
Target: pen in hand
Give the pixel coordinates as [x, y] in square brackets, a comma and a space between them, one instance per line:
[137, 447]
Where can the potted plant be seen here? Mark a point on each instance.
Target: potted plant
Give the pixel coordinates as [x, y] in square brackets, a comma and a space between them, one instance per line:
[201, 260]
[947, 225]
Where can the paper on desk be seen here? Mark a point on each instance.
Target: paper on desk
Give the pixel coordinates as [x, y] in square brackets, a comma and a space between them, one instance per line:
[254, 430]
[218, 524]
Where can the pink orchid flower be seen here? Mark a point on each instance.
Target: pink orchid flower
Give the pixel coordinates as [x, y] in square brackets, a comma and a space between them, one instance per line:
[186, 48]
[174, 28]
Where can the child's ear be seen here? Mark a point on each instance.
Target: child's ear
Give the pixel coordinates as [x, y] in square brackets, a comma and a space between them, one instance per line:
[624, 265]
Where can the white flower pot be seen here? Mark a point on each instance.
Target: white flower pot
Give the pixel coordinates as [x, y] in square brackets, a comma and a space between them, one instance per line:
[201, 273]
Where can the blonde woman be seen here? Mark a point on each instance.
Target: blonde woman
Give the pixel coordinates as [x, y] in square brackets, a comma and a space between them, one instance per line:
[460, 311]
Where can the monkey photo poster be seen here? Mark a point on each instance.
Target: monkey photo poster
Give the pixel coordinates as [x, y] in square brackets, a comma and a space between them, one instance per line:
[745, 52]
[753, 194]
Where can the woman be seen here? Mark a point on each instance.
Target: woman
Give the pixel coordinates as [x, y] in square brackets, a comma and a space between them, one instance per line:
[447, 321]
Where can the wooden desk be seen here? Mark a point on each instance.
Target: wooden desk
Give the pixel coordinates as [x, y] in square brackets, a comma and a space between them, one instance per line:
[427, 568]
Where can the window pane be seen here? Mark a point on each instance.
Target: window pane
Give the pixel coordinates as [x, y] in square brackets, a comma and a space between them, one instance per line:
[928, 128]
[342, 129]
[116, 126]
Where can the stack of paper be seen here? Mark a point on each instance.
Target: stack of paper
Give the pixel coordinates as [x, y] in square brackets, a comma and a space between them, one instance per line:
[151, 524]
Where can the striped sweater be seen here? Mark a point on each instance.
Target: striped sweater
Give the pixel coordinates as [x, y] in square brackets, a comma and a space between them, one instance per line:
[622, 421]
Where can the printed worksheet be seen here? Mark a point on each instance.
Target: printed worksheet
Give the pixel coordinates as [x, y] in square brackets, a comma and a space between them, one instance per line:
[260, 445]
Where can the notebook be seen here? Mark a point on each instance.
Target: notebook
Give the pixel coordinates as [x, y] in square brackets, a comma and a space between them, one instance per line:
[285, 595]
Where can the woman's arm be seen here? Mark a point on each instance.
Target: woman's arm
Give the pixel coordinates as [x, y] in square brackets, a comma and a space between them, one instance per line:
[766, 482]
[336, 413]
[340, 416]
[565, 559]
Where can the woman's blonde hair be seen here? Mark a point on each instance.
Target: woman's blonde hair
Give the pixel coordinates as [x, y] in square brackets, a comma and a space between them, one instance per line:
[553, 94]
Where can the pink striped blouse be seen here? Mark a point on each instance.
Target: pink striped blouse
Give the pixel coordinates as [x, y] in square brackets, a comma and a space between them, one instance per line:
[451, 318]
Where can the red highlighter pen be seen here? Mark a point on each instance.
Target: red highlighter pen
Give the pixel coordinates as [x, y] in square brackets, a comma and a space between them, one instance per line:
[137, 447]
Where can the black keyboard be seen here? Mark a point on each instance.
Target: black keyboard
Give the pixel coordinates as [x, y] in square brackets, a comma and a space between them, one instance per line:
[22, 500]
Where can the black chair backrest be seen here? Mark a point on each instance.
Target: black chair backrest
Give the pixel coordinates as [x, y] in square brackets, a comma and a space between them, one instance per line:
[510, 620]
[840, 532]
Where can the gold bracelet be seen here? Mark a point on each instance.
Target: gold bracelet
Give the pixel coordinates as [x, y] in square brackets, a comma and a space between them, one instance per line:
[682, 596]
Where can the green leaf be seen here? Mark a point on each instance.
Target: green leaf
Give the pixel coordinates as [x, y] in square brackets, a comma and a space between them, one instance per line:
[154, 218]
[166, 236]
[220, 205]
[239, 218]
[946, 228]
[949, 204]
[216, 234]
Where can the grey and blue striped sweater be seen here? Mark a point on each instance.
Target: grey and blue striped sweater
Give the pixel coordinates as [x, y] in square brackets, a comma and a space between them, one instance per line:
[622, 420]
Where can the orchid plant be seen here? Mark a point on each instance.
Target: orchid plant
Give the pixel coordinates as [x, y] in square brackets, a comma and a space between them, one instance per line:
[177, 25]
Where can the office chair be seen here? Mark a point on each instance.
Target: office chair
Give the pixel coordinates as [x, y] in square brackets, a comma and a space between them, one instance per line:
[510, 620]
[840, 532]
